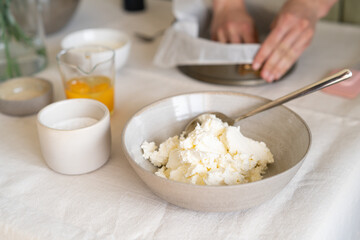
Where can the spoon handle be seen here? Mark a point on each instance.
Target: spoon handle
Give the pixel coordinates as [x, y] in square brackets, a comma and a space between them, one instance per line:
[326, 82]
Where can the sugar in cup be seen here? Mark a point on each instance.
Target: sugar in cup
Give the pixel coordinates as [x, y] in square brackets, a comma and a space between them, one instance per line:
[88, 72]
[75, 135]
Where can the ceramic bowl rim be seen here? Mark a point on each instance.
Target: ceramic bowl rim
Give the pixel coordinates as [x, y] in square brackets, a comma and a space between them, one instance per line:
[271, 178]
[118, 32]
[46, 82]
[105, 116]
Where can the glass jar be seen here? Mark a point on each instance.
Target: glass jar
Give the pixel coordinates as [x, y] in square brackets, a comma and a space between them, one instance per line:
[22, 48]
[88, 72]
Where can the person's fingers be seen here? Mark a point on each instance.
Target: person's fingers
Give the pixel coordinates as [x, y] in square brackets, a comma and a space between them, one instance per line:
[283, 66]
[256, 36]
[220, 35]
[270, 64]
[268, 47]
[249, 34]
[213, 34]
[241, 33]
[274, 22]
[305, 39]
[213, 37]
[274, 38]
[281, 52]
[285, 63]
[233, 34]
[295, 52]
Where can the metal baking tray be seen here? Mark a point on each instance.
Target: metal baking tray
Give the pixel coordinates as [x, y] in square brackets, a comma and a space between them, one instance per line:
[242, 74]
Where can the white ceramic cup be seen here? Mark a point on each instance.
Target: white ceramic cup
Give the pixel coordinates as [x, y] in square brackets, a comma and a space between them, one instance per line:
[75, 135]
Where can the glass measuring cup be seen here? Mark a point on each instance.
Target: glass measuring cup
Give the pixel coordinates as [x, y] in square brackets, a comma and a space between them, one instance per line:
[88, 72]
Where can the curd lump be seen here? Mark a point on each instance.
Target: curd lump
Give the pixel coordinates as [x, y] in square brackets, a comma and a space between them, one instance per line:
[214, 153]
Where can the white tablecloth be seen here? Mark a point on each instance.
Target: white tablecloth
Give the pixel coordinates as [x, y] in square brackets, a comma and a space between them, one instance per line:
[321, 202]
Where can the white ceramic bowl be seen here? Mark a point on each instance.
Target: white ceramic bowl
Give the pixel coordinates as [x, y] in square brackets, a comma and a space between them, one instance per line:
[115, 39]
[284, 132]
[25, 95]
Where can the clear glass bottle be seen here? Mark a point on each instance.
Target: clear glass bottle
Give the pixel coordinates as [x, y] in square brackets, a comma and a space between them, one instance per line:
[22, 48]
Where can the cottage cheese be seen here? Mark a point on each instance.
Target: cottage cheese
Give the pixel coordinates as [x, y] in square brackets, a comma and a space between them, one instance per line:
[213, 154]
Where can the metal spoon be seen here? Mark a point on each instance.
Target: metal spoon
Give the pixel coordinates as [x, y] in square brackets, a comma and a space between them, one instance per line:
[326, 82]
[149, 38]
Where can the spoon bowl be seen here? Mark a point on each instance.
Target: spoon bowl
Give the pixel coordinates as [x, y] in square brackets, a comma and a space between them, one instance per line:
[149, 38]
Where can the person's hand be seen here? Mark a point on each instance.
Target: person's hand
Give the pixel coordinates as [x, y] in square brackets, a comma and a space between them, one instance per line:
[231, 23]
[292, 32]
